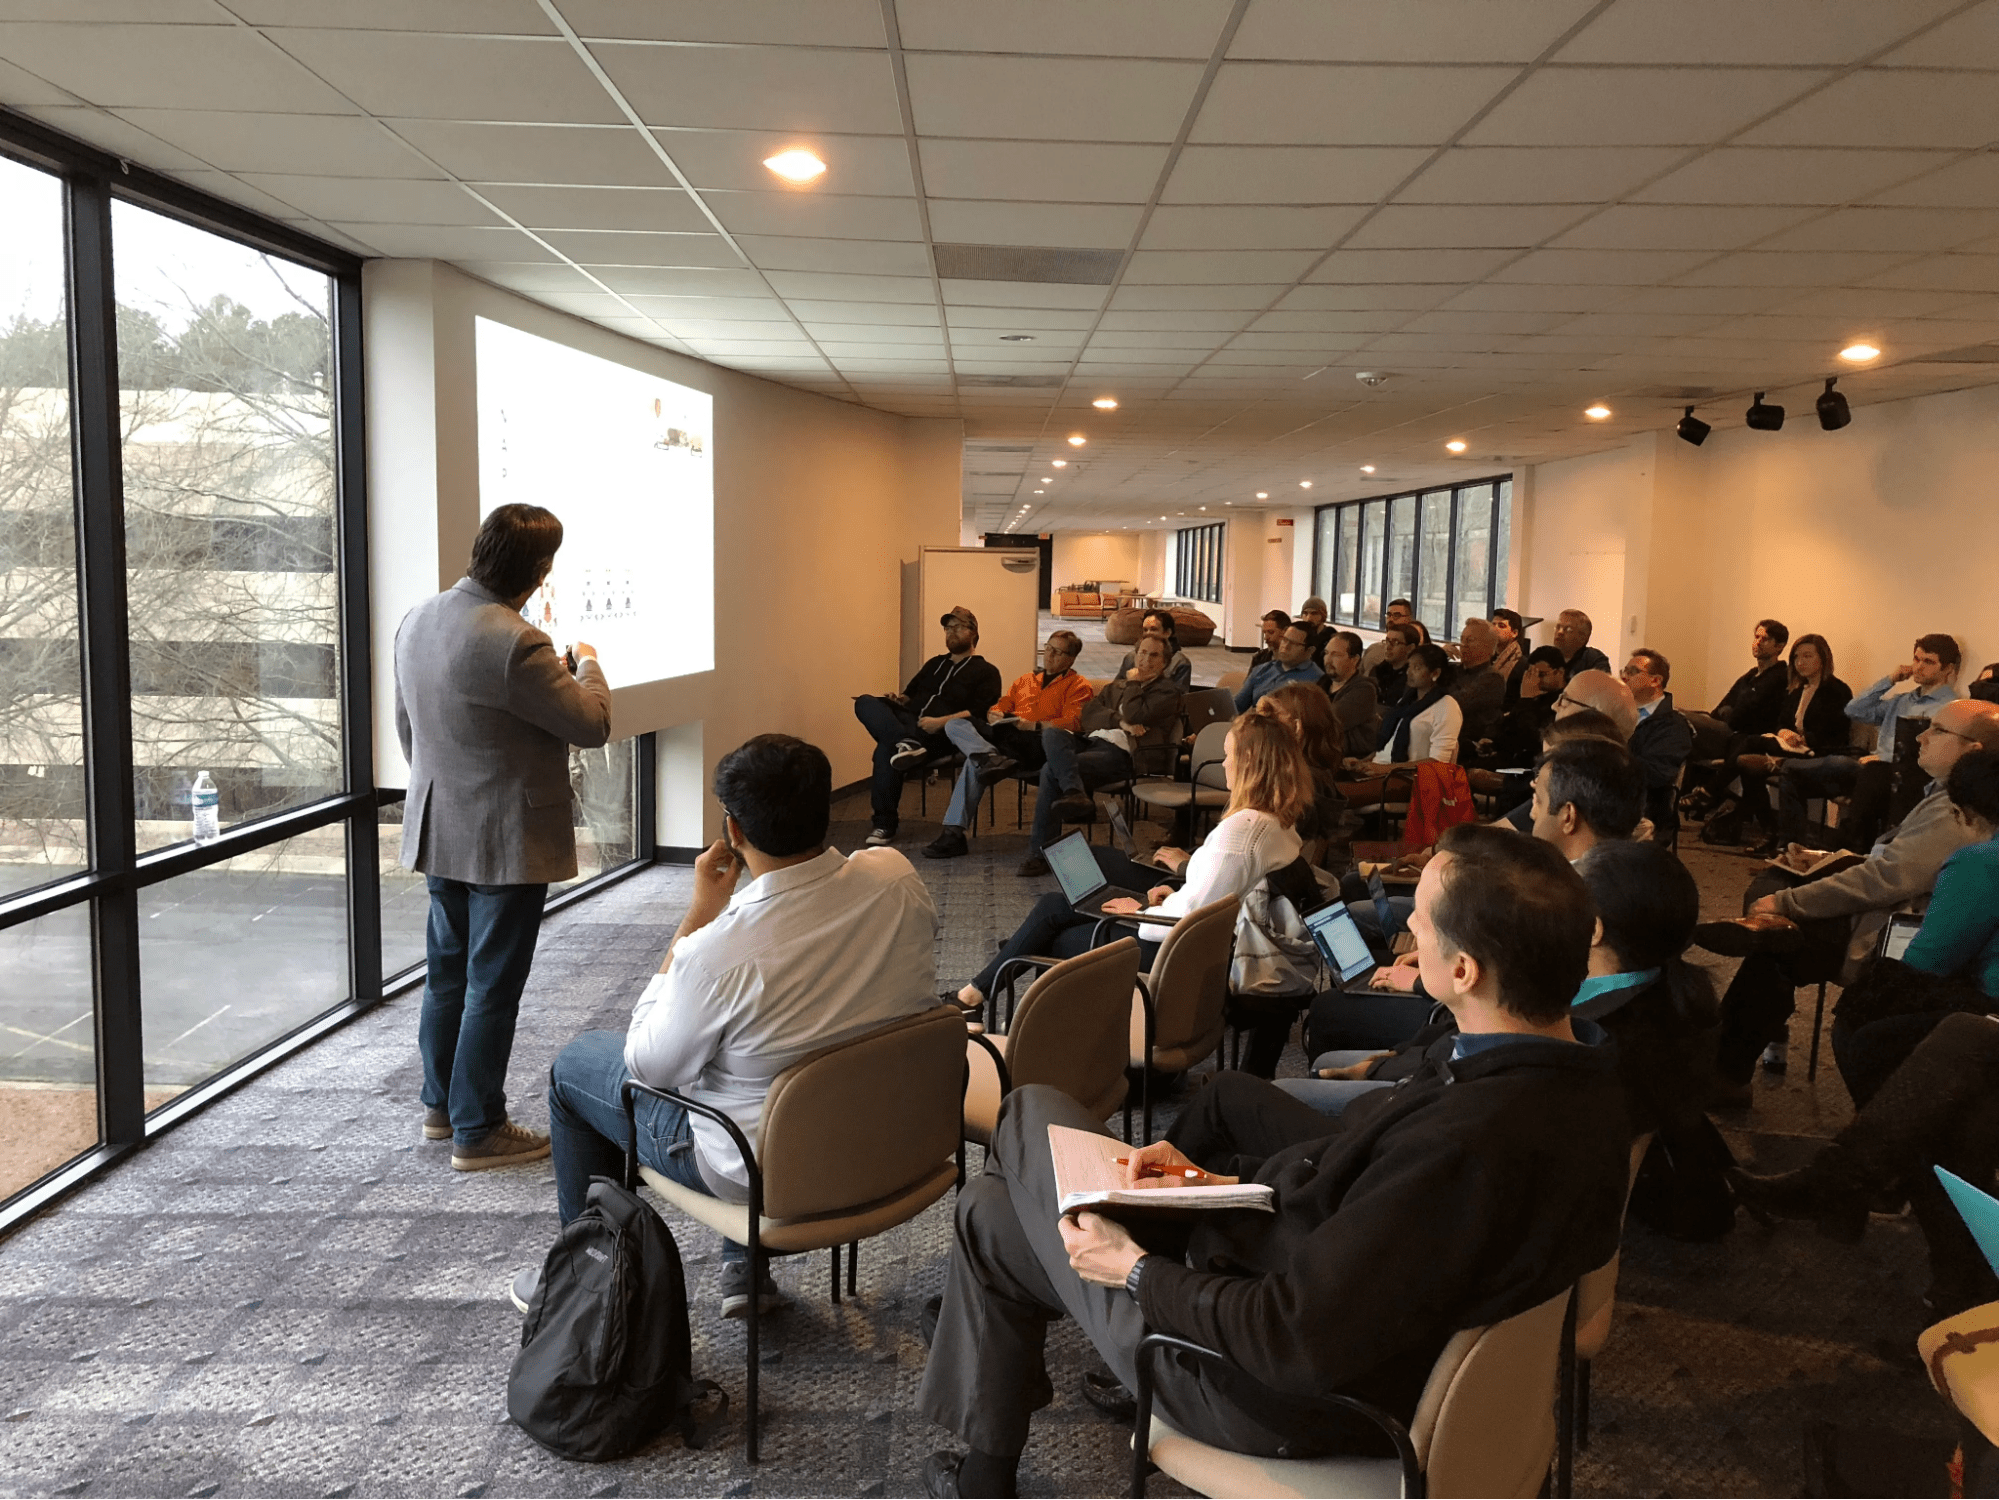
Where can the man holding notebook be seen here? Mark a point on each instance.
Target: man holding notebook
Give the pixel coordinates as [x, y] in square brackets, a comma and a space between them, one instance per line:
[1479, 1188]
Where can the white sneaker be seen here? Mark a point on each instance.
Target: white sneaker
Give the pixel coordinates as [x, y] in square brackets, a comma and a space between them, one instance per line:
[879, 838]
[907, 751]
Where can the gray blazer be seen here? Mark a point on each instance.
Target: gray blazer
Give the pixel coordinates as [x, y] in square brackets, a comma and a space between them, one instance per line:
[486, 712]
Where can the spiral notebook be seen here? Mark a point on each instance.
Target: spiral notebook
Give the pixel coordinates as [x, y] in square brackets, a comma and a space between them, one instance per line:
[1087, 1175]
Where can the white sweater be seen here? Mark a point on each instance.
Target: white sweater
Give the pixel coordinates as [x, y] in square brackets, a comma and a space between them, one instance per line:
[1433, 734]
[1243, 848]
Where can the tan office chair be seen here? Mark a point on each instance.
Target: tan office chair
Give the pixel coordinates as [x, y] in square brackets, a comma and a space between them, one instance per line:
[1231, 680]
[855, 1139]
[1596, 1300]
[1069, 1030]
[1485, 1424]
[1205, 789]
[1176, 1009]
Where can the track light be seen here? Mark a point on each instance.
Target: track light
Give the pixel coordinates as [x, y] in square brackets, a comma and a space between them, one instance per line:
[1762, 416]
[1692, 429]
[1834, 413]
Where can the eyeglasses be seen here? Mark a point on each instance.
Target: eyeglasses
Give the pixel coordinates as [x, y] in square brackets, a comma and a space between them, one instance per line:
[1936, 728]
[1575, 703]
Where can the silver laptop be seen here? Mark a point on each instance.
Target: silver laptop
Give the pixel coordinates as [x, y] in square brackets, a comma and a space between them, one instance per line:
[1083, 882]
[1339, 939]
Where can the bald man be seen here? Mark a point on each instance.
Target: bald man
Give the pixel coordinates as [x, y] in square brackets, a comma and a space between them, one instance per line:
[1602, 692]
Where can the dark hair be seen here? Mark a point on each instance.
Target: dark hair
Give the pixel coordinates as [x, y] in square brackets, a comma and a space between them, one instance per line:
[780, 790]
[1283, 620]
[1420, 628]
[1166, 615]
[1943, 647]
[1438, 660]
[1550, 656]
[514, 547]
[1777, 630]
[1404, 603]
[1406, 632]
[1656, 664]
[1973, 784]
[1986, 689]
[1817, 643]
[1583, 724]
[1515, 905]
[1353, 643]
[1512, 618]
[1648, 904]
[1603, 782]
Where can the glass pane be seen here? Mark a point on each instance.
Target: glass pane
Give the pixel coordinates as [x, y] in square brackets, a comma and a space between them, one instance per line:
[1325, 555]
[1374, 517]
[606, 808]
[1349, 556]
[1433, 600]
[48, 1054]
[1502, 512]
[405, 899]
[1474, 549]
[43, 834]
[224, 360]
[1402, 549]
[236, 955]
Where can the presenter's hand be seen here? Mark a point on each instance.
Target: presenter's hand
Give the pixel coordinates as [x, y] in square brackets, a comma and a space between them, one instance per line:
[1099, 1249]
[583, 651]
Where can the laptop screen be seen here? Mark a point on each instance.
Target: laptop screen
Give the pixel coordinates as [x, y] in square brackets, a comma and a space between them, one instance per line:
[1075, 865]
[1384, 913]
[1332, 928]
[1900, 932]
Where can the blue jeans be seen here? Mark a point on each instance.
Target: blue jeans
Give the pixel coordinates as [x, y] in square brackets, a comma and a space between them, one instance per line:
[586, 1126]
[1331, 1096]
[1074, 765]
[965, 737]
[890, 724]
[480, 944]
[1368, 920]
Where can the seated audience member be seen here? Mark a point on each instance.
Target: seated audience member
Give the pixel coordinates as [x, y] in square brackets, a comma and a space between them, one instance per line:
[1313, 614]
[1578, 724]
[1813, 722]
[1270, 788]
[1951, 964]
[1130, 728]
[1483, 1187]
[1513, 647]
[1516, 739]
[1356, 703]
[1752, 706]
[1291, 663]
[1398, 612]
[1661, 740]
[1913, 691]
[908, 727]
[1798, 929]
[1587, 791]
[1603, 693]
[1390, 671]
[1159, 625]
[814, 947]
[1274, 625]
[1985, 686]
[1052, 698]
[1480, 687]
[1572, 633]
[1425, 725]
[1940, 1108]
[1306, 713]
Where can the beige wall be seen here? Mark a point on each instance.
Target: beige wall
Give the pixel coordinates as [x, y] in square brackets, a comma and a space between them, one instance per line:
[817, 505]
[1870, 536]
[1086, 556]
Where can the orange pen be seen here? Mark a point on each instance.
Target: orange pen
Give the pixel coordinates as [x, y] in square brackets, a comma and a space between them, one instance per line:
[1190, 1173]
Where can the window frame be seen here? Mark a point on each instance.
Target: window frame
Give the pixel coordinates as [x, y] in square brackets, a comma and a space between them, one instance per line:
[1352, 513]
[1197, 562]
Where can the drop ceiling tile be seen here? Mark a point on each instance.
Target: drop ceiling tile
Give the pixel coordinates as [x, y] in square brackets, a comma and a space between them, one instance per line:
[321, 145]
[613, 247]
[369, 201]
[1782, 33]
[1890, 108]
[1472, 31]
[734, 159]
[1066, 173]
[139, 65]
[556, 154]
[1602, 267]
[679, 281]
[1170, 267]
[1911, 231]
[1301, 321]
[648, 209]
[1719, 300]
[23, 90]
[108, 132]
[1636, 106]
[1290, 174]
[817, 215]
[1469, 322]
[1970, 40]
[1437, 226]
[234, 190]
[1167, 338]
[831, 335]
[1379, 297]
[819, 23]
[1130, 298]
[1532, 297]
[1020, 320]
[1873, 302]
[182, 11]
[1537, 174]
[1966, 273]
[454, 77]
[1325, 105]
[489, 17]
[1218, 323]
[1601, 325]
[1277, 341]
[1261, 227]
[867, 257]
[1100, 225]
[1109, 28]
[589, 305]
[1770, 175]
[1023, 294]
[756, 88]
[1042, 98]
[1410, 266]
[721, 330]
[1793, 268]
[529, 277]
[832, 286]
[878, 314]
[446, 242]
[1649, 226]
[1967, 183]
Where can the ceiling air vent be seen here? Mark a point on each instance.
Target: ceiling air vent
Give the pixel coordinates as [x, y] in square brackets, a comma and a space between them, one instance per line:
[1972, 354]
[1010, 382]
[1027, 263]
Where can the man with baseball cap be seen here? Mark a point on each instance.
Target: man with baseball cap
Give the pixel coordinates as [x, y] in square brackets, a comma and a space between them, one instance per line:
[908, 727]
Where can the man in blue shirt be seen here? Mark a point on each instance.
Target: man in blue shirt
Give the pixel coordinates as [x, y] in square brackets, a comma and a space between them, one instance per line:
[1291, 661]
[1931, 678]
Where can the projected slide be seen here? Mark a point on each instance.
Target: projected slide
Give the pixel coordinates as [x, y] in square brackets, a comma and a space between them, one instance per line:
[625, 459]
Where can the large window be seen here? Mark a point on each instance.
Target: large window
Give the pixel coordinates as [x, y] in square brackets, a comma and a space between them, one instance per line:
[1197, 563]
[1444, 550]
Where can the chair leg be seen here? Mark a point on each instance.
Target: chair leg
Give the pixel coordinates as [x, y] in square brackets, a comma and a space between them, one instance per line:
[1818, 1023]
[834, 1252]
[1565, 1406]
[1582, 1404]
[755, 1319]
[853, 1266]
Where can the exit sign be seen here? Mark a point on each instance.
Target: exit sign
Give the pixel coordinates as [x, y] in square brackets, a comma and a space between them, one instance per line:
[1287, 521]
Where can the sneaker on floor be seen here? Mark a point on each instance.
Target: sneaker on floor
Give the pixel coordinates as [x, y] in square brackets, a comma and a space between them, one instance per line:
[1776, 1057]
[521, 1290]
[907, 751]
[1034, 864]
[994, 765]
[504, 1147]
[437, 1124]
[950, 844]
[736, 1291]
[1076, 807]
[880, 838]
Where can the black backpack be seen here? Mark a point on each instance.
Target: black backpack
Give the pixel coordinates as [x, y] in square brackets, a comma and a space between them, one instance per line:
[606, 1362]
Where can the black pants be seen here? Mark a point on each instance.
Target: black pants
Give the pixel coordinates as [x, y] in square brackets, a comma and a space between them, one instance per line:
[1867, 1055]
[1764, 992]
[1054, 930]
[1238, 1115]
[890, 724]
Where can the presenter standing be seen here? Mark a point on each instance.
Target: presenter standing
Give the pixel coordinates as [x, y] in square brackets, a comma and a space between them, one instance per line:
[486, 710]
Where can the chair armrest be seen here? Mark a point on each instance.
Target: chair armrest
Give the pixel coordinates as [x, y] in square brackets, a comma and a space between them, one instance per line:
[1137, 919]
[1141, 1433]
[628, 1094]
[999, 1062]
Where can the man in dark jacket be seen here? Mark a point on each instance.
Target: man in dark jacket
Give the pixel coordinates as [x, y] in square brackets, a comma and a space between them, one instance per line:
[1662, 741]
[1752, 706]
[908, 727]
[1480, 1188]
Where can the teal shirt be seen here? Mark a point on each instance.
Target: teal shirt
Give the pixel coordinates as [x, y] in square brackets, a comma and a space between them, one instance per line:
[1960, 932]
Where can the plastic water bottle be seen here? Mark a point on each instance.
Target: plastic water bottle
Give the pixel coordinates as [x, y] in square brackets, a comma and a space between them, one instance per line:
[207, 804]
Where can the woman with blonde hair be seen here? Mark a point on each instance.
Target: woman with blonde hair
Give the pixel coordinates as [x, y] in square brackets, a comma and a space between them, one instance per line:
[1311, 716]
[1270, 788]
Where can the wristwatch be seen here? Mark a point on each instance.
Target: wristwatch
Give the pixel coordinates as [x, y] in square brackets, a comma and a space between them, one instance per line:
[1132, 1276]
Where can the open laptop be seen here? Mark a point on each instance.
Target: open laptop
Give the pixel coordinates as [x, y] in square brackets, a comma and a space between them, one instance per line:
[1338, 938]
[1899, 933]
[1083, 883]
[1394, 931]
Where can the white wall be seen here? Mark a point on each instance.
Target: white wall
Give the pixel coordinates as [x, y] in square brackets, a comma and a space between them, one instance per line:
[1870, 536]
[817, 505]
[1085, 556]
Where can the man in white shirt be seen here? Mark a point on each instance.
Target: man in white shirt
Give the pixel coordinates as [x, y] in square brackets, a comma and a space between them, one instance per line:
[814, 948]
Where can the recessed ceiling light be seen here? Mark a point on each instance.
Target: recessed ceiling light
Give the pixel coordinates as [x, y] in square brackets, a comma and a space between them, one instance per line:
[1059, 463]
[1038, 492]
[1105, 403]
[1263, 494]
[1859, 354]
[1367, 468]
[1016, 338]
[1456, 445]
[1076, 440]
[1047, 479]
[795, 166]
[1304, 484]
[1204, 507]
[1596, 413]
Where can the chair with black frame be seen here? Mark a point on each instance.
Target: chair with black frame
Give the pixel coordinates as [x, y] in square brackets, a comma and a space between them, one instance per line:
[1486, 1423]
[1267, 1017]
[1176, 1010]
[1596, 1303]
[1204, 791]
[855, 1139]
